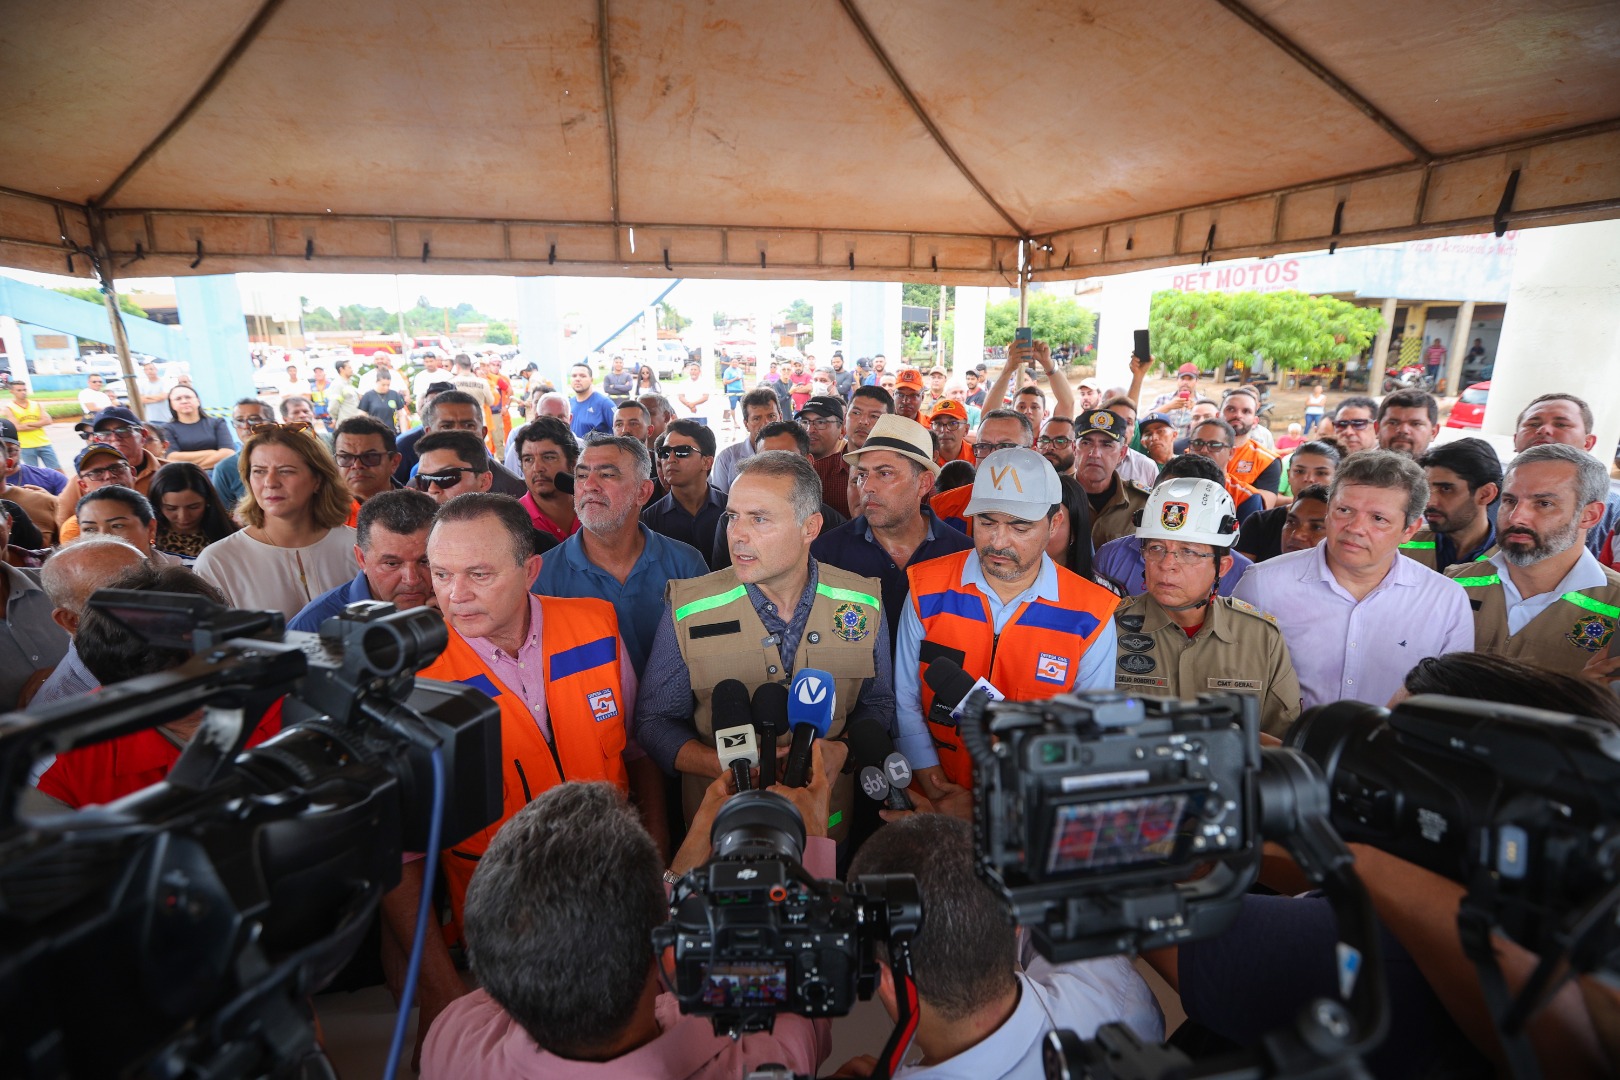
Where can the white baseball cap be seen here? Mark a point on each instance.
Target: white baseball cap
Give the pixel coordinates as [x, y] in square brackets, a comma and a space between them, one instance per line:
[1017, 482]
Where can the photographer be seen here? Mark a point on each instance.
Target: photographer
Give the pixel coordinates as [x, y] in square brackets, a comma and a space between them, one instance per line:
[1280, 952]
[559, 921]
[979, 1015]
[112, 769]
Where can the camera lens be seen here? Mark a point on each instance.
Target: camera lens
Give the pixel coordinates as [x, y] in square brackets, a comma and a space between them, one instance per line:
[757, 824]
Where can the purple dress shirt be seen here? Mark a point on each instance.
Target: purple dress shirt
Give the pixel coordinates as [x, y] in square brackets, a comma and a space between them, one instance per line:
[1358, 651]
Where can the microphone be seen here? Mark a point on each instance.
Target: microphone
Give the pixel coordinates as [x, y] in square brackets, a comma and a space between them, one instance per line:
[812, 701]
[728, 711]
[564, 482]
[885, 774]
[951, 686]
[770, 709]
[739, 752]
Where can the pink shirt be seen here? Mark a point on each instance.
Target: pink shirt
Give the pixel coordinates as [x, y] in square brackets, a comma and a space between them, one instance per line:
[524, 675]
[542, 521]
[475, 1038]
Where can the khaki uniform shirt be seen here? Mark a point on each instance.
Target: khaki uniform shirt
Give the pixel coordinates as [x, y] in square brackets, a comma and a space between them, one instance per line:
[1578, 625]
[1237, 650]
[1115, 520]
[1421, 549]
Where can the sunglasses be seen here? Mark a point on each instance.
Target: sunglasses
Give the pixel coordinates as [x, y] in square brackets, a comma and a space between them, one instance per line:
[682, 452]
[370, 459]
[252, 423]
[1205, 444]
[445, 478]
[1356, 424]
[291, 426]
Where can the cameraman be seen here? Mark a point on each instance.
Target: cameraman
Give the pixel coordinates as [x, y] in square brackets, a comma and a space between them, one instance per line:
[111, 653]
[979, 1016]
[559, 920]
[1280, 952]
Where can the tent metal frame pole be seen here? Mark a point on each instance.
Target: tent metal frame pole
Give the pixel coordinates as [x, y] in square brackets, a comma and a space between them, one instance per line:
[609, 123]
[198, 100]
[102, 265]
[1327, 78]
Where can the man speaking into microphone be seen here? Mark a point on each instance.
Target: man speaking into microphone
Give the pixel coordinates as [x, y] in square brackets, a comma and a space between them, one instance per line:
[1004, 612]
[769, 616]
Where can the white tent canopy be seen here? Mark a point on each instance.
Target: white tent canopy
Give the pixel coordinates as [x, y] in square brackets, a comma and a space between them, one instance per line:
[837, 139]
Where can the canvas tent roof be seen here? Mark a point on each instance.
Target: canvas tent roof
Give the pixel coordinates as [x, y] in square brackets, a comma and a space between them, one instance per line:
[843, 139]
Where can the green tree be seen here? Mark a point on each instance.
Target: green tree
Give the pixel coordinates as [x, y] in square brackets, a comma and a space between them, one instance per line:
[93, 296]
[498, 333]
[1056, 320]
[320, 319]
[670, 319]
[1290, 329]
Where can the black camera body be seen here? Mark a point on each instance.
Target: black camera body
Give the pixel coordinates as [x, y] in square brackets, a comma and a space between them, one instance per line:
[1092, 811]
[178, 931]
[1520, 804]
[754, 935]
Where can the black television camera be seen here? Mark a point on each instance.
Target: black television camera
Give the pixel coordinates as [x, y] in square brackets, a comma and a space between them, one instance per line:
[178, 931]
[1520, 805]
[1113, 824]
[755, 935]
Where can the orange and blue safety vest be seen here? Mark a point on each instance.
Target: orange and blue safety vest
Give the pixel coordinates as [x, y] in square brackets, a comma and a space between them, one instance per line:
[583, 688]
[1035, 656]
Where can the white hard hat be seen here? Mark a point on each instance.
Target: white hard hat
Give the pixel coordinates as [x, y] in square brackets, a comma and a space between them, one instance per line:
[1193, 511]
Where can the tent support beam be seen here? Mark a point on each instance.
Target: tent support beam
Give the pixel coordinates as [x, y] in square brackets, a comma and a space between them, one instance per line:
[102, 265]
[1330, 80]
[607, 117]
[900, 84]
[198, 100]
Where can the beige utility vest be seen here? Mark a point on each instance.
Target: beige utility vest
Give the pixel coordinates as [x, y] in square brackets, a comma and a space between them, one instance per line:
[721, 637]
[1577, 626]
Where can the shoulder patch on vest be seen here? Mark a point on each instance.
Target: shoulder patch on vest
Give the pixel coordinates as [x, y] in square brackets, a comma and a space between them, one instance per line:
[482, 683]
[714, 629]
[1591, 633]
[1129, 622]
[604, 706]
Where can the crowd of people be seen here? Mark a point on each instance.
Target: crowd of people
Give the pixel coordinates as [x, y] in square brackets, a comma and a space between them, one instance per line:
[605, 564]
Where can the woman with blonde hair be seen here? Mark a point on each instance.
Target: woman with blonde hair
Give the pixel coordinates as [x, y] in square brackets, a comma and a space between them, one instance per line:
[294, 545]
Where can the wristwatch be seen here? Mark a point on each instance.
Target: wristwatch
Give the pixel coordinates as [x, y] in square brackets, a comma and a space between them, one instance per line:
[671, 878]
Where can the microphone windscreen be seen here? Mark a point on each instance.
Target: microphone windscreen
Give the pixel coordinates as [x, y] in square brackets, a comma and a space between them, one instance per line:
[869, 744]
[948, 681]
[812, 699]
[729, 705]
[770, 708]
[564, 482]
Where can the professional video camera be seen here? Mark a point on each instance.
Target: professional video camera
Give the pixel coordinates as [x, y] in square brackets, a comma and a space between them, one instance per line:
[755, 935]
[1113, 824]
[1520, 805]
[179, 931]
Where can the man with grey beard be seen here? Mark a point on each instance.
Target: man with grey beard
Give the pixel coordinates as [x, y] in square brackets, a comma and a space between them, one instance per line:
[613, 556]
[1544, 597]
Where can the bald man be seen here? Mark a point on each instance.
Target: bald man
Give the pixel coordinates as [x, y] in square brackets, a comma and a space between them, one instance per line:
[68, 578]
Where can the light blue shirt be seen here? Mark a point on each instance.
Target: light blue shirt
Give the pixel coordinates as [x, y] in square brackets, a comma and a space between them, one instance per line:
[912, 737]
[1349, 650]
[1587, 573]
[728, 461]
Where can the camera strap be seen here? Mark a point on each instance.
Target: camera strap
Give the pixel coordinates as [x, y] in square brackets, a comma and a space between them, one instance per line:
[905, 1007]
[1474, 924]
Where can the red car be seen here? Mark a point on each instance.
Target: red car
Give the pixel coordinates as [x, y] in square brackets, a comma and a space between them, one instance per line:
[1469, 412]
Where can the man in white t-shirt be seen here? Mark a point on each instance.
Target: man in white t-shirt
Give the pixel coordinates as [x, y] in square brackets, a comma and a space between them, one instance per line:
[94, 398]
[154, 390]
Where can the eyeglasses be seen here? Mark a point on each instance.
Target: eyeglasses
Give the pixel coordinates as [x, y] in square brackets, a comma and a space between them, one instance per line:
[944, 424]
[1180, 556]
[108, 435]
[96, 476]
[370, 459]
[445, 478]
[1356, 424]
[984, 449]
[682, 452]
[252, 423]
[1205, 444]
[1057, 442]
[825, 421]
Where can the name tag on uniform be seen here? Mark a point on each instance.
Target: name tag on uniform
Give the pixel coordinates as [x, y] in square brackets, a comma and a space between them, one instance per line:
[1140, 680]
[1235, 684]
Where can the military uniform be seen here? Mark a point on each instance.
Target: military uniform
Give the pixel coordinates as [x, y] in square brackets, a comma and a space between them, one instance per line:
[721, 637]
[1422, 548]
[1117, 518]
[1576, 627]
[1237, 649]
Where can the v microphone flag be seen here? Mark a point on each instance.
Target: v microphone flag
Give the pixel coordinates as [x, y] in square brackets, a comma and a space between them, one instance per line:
[812, 702]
